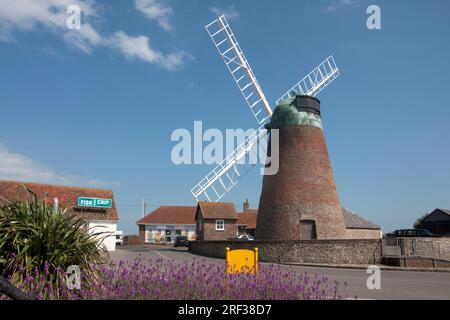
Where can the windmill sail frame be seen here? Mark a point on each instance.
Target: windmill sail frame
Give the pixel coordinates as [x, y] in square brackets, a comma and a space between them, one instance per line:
[234, 58]
[226, 174]
[315, 81]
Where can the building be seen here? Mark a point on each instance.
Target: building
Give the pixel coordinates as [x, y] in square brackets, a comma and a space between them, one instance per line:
[438, 222]
[220, 221]
[216, 221]
[167, 222]
[359, 228]
[300, 201]
[246, 223]
[356, 227]
[94, 205]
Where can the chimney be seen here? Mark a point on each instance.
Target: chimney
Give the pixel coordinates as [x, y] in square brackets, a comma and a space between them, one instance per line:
[246, 205]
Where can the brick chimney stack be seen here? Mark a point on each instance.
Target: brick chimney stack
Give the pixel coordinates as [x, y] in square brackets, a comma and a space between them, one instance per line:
[246, 205]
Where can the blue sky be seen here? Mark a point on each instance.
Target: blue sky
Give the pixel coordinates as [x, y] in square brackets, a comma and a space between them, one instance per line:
[97, 108]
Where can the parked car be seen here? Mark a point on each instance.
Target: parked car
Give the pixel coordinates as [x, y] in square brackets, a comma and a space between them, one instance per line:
[245, 237]
[413, 233]
[181, 241]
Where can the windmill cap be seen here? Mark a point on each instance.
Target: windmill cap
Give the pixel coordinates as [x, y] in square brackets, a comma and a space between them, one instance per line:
[299, 110]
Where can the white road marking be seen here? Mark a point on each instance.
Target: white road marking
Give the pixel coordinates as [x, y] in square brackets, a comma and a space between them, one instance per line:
[162, 255]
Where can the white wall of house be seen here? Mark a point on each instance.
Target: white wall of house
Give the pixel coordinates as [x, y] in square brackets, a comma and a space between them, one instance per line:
[105, 226]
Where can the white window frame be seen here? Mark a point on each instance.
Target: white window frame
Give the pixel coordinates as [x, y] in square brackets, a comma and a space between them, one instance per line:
[223, 225]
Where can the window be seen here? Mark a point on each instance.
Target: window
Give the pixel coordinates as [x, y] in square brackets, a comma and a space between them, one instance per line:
[220, 225]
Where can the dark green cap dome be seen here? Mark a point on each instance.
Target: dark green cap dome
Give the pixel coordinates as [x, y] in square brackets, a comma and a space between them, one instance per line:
[300, 110]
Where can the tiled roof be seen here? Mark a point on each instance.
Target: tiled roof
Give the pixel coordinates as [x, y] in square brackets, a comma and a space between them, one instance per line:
[67, 197]
[248, 218]
[437, 215]
[353, 221]
[217, 210]
[214, 210]
[170, 215]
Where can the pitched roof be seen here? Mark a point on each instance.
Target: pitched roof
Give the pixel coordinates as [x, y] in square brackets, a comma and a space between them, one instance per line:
[248, 218]
[170, 215]
[217, 210]
[353, 221]
[67, 197]
[437, 215]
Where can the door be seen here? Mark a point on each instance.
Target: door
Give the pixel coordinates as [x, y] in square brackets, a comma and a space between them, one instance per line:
[308, 230]
[168, 235]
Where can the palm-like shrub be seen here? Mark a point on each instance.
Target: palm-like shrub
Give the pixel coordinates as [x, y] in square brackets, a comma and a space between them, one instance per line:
[34, 237]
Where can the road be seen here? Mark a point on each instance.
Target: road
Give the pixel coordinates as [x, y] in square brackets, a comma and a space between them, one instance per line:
[409, 285]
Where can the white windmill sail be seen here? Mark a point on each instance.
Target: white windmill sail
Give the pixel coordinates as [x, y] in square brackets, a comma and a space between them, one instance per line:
[233, 168]
[225, 41]
[226, 175]
[315, 81]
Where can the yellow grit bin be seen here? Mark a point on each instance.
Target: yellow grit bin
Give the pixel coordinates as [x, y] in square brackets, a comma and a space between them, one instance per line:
[242, 260]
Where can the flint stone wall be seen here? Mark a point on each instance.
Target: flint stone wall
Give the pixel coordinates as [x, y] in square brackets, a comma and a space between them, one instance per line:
[438, 248]
[357, 252]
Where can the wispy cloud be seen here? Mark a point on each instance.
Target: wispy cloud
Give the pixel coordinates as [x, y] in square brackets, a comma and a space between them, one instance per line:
[51, 15]
[334, 5]
[31, 15]
[139, 48]
[229, 12]
[16, 166]
[156, 10]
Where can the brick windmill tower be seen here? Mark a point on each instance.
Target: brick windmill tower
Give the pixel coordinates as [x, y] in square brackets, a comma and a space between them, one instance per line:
[301, 200]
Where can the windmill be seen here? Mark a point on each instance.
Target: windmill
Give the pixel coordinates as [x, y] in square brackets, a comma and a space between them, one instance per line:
[228, 173]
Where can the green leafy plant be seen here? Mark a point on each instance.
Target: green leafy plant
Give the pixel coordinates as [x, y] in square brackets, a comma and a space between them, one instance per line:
[418, 223]
[35, 237]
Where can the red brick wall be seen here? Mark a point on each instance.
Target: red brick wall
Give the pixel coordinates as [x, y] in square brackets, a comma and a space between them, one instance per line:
[141, 234]
[209, 231]
[132, 240]
[303, 189]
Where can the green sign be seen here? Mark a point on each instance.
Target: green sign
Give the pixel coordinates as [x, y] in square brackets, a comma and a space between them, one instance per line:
[94, 202]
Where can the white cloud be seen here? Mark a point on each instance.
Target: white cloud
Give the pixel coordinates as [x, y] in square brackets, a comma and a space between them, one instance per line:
[139, 48]
[33, 15]
[15, 166]
[155, 10]
[83, 39]
[337, 4]
[229, 13]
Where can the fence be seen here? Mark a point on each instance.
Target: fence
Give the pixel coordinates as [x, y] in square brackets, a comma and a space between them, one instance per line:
[420, 250]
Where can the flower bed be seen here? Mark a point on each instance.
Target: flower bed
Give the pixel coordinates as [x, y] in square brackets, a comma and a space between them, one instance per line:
[172, 280]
